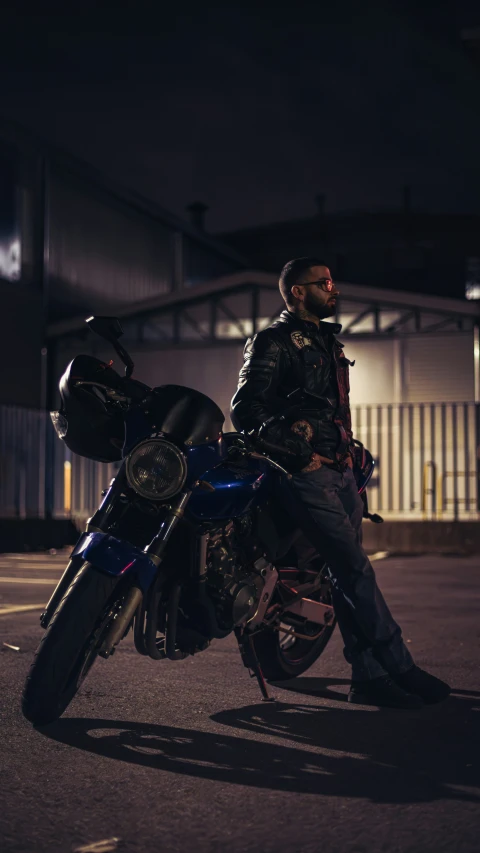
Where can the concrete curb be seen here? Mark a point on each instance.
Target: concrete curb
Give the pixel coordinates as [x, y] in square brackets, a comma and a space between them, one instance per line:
[414, 538]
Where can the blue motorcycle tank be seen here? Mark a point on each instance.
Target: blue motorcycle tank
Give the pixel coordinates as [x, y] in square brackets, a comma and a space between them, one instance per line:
[203, 458]
[236, 490]
[236, 487]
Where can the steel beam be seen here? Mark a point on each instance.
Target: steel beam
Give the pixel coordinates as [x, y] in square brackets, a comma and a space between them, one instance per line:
[439, 325]
[176, 326]
[160, 332]
[169, 343]
[358, 318]
[242, 282]
[276, 315]
[234, 319]
[194, 325]
[400, 322]
[213, 319]
[338, 310]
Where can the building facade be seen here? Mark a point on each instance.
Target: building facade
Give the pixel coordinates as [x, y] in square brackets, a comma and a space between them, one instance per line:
[415, 385]
[72, 243]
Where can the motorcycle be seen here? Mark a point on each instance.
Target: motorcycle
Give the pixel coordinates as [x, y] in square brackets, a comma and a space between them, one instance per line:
[187, 545]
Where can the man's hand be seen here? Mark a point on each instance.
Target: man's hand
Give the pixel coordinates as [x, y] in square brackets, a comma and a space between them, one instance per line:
[315, 463]
[300, 449]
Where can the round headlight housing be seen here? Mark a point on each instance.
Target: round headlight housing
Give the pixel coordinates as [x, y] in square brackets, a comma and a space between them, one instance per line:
[156, 469]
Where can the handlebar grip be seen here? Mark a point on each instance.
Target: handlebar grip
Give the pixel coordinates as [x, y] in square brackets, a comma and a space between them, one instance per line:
[273, 448]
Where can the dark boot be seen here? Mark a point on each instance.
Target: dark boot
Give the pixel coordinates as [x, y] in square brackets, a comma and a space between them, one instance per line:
[384, 693]
[421, 683]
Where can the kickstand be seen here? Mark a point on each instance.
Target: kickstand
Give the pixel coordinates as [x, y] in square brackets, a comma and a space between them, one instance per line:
[250, 661]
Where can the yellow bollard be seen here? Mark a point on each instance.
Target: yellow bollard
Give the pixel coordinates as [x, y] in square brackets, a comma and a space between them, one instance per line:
[440, 495]
[425, 489]
[67, 487]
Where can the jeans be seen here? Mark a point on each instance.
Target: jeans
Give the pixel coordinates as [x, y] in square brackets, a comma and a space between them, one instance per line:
[326, 505]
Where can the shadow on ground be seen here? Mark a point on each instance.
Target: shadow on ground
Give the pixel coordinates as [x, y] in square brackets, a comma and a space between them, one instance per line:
[384, 756]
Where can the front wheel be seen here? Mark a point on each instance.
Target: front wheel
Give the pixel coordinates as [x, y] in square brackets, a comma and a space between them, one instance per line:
[282, 656]
[70, 645]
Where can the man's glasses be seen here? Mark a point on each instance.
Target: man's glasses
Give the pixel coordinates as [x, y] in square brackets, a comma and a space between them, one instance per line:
[325, 283]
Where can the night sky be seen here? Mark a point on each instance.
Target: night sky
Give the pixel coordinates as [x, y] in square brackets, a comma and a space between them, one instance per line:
[255, 108]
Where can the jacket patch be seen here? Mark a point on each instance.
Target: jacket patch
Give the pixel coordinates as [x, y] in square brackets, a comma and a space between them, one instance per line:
[304, 429]
[299, 340]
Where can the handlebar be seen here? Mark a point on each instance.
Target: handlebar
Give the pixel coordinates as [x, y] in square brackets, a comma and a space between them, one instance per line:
[136, 390]
[130, 388]
[269, 447]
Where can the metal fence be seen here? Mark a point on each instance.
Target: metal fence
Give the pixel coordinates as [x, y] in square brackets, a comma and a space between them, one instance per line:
[427, 464]
[22, 462]
[426, 459]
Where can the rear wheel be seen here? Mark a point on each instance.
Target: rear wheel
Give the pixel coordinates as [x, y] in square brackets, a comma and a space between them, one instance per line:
[70, 644]
[283, 656]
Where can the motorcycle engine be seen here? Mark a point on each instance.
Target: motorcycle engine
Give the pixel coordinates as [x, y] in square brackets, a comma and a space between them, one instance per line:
[234, 583]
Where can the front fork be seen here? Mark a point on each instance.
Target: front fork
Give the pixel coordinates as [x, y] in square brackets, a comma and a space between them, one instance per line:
[154, 551]
[98, 523]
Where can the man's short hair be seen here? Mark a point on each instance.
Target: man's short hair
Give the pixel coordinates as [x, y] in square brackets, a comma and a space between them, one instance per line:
[292, 273]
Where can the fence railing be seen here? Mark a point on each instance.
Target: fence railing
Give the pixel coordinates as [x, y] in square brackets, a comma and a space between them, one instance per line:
[427, 461]
[22, 462]
[426, 458]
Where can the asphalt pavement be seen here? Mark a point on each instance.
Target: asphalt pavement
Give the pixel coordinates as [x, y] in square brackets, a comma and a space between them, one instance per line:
[28, 580]
[184, 756]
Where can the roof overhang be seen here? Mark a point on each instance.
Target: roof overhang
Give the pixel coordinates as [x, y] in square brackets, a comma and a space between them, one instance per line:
[247, 279]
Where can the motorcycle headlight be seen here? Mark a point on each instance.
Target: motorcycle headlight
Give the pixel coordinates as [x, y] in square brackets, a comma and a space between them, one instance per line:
[156, 469]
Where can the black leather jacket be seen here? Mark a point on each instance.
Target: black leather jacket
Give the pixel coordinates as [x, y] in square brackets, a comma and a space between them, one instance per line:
[295, 354]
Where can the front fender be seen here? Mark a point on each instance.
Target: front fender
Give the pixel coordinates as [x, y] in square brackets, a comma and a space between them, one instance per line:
[116, 557]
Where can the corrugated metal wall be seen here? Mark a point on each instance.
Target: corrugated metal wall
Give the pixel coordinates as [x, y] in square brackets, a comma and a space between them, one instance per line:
[102, 253]
[22, 462]
[424, 369]
[439, 367]
[426, 457]
[425, 454]
[375, 376]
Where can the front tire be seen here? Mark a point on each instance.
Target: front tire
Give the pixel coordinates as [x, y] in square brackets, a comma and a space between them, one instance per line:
[69, 646]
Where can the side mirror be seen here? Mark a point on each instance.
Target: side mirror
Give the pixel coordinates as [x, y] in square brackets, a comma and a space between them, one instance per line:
[109, 328]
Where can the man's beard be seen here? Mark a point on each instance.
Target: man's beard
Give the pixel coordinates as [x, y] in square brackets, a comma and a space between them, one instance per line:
[320, 311]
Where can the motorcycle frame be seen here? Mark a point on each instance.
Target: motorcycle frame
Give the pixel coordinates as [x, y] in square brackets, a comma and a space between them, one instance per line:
[121, 558]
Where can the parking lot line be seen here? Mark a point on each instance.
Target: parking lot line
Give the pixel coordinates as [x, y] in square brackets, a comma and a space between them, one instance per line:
[31, 568]
[20, 608]
[29, 580]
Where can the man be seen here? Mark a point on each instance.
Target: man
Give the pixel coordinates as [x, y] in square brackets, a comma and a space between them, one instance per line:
[300, 351]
